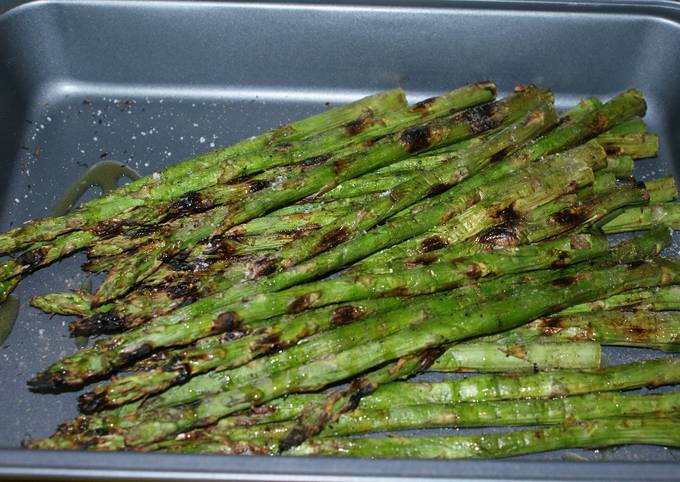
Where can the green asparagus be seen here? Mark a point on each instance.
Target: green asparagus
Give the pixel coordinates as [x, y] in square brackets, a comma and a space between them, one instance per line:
[528, 303]
[482, 388]
[177, 180]
[586, 434]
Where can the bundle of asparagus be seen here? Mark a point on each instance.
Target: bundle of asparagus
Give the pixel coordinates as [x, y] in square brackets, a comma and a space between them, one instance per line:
[272, 296]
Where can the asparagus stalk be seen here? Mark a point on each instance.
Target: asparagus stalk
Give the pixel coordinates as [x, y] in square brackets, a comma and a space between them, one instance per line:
[567, 171]
[584, 125]
[531, 230]
[529, 302]
[310, 209]
[564, 170]
[634, 125]
[574, 175]
[615, 333]
[619, 109]
[518, 356]
[380, 206]
[437, 210]
[629, 139]
[542, 385]
[544, 222]
[44, 253]
[329, 411]
[177, 180]
[661, 189]
[333, 170]
[434, 277]
[658, 330]
[514, 349]
[539, 225]
[107, 355]
[637, 328]
[621, 166]
[321, 213]
[507, 412]
[221, 352]
[368, 126]
[560, 214]
[481, 388]
[100, 264]
[642, 217]
[633, 250]
[664, 298]
[405, 417]
[617, 166]
[436, 157]
[551, 219]
[521, 349]
[365, 126]
[649, 244]
[407, 193]
[310, 216]
[66, 303]
[228, 248]
[483, 215]
[585, 434]
[634, 103]
[638, 146]
[273, 231]
[568, 211]
[389, 176]
[150, 220]
[615, 108]
[127, 388]
[316, 416]
[349, 193]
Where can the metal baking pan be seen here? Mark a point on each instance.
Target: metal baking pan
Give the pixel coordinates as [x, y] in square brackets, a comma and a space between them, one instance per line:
[150, 83]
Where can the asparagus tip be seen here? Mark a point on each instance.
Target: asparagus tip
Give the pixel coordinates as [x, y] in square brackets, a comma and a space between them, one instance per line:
[92, 402]
[45, 382]
[102, 323]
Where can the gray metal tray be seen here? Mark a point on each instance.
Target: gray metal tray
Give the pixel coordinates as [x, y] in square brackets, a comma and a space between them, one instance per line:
[150, 83]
